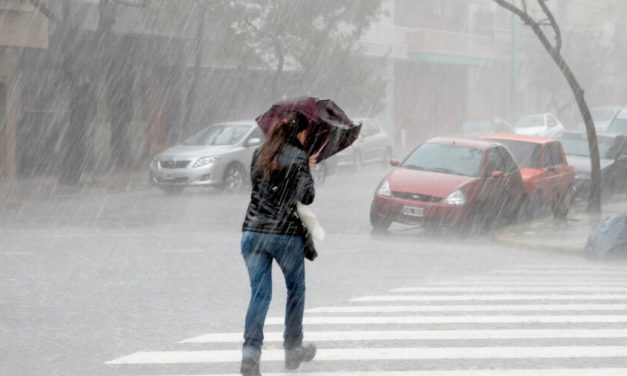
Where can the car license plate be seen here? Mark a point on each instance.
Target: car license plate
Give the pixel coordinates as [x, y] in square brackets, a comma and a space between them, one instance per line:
[413, 211]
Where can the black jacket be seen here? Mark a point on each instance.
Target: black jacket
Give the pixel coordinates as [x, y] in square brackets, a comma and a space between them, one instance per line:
[272, 207]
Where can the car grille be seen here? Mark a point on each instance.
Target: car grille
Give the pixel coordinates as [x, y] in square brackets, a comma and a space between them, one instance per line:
[416, 197]
[171, 180]
[174, 164]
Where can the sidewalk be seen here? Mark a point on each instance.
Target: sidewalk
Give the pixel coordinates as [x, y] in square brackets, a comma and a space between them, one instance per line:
[566, 236]
[48, 188]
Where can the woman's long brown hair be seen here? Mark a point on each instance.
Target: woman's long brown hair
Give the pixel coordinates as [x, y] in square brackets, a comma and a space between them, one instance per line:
[283, 131]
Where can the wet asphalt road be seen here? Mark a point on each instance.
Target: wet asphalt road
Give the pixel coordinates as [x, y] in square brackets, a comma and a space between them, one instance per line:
[90, 278]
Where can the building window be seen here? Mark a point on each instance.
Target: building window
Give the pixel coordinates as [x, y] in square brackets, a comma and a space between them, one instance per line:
[437, 8]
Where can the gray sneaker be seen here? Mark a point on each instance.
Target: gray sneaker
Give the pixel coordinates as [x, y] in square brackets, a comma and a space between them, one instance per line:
[250, 362]
[296, 356]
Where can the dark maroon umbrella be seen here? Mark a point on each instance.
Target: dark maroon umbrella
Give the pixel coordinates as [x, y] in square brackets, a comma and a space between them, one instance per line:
[329, 131]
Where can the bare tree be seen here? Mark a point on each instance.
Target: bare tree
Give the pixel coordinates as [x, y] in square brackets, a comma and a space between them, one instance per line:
[192, 92]
[555, 51]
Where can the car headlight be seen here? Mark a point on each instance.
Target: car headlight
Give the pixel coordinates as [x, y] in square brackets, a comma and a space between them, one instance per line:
[384, 189]
[204, 161]
[456, 198]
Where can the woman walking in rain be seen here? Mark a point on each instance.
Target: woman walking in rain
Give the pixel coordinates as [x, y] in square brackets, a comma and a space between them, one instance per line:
[272, 231]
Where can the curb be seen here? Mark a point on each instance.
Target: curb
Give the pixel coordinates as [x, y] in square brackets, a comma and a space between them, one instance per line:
[502, 237]
[571, 251]
[23, 191]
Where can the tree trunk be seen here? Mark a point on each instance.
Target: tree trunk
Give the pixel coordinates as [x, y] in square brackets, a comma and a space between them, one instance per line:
[191, 95]
[594, 200]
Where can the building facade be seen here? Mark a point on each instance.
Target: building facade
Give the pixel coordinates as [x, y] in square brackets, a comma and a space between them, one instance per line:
[449, 60]
[22, 28]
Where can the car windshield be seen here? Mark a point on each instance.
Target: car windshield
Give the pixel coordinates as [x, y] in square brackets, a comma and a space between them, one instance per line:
[603, 114]
[526, 154]
[447, 159]
[579, 146]
[619, 125]
[221, 134]
[530, 121]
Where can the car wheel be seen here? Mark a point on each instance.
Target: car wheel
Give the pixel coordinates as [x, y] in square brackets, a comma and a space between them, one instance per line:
[479, 220]
[519, 210]
[608, 189]
[534, 205]
[172, 189]
[233, 178]
[378, 221]
[561, 205]
[319, 174]
[358, 161]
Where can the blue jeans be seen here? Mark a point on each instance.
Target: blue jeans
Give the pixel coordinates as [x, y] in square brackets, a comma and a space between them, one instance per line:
[259, 250]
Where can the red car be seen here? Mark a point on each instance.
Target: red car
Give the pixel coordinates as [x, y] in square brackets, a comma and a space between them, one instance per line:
[546, 174]
[449, 181]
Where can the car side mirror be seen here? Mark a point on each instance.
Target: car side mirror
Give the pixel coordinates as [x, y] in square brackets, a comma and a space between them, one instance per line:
[394, 163]
[255, 141]
[497, 174]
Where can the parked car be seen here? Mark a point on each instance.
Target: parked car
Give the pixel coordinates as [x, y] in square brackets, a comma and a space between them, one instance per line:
[547, 177]
[544, 125]
[619, 123]
[217, 156]
[482, 127]
[449, 181]
[602, 117]
[613, 153]
[372, 146]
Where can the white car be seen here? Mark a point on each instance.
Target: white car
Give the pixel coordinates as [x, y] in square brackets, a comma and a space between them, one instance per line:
[372, 146]
[603, 117]
[543, 125]
[619, 123]
[218, 156]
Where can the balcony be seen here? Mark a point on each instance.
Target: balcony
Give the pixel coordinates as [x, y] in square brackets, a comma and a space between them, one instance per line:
[430, 44]
[16, 5]
[22, 25]
[463, 46]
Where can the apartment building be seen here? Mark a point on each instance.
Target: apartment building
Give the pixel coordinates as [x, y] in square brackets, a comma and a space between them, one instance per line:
[134, 78]
[449, 60]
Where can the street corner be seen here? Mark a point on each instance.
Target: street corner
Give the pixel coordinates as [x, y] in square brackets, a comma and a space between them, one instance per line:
[567, 236]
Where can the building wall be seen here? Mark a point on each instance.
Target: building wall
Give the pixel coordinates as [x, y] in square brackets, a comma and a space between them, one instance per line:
[450, 61]
[21, 27]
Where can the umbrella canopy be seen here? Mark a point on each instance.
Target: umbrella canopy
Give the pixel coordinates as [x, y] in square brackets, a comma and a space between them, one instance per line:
[329, 131]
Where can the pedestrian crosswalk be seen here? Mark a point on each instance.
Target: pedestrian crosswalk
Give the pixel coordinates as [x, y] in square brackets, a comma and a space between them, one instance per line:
[521, 321]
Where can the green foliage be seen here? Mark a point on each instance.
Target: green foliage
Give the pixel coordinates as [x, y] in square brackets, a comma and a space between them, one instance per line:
[312, 46]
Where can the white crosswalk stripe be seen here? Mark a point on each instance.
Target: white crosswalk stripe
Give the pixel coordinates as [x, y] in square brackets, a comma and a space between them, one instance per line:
[561, 320]
[382, 353]
[470, 308]
[581, 289]
[471, 372]
[488, 297]
[391, 335]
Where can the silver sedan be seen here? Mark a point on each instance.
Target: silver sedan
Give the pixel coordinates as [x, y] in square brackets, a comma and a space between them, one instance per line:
[217, 156]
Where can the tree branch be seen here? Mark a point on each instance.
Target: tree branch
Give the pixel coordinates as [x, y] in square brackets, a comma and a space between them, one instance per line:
[524, 16]
[556, 29]
[43, 9]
